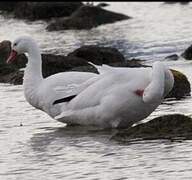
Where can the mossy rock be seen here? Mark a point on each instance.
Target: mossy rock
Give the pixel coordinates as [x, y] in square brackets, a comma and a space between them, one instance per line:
[175, 126]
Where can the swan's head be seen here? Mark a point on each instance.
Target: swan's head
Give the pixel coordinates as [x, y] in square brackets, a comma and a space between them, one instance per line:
[19, 46]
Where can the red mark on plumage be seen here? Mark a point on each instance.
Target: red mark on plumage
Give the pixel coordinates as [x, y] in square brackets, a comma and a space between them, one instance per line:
[139, 92]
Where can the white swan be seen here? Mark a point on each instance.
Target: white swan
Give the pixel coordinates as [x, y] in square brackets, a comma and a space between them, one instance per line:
[115, 98]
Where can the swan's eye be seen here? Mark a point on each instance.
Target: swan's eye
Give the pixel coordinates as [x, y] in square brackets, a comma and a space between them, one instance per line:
[15, 44]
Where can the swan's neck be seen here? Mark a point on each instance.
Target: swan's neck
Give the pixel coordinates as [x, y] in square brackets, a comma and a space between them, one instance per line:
[155, 90]
[33, 74]
[169, 81]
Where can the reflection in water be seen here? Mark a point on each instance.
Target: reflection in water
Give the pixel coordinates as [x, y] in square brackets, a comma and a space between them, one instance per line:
[69, 135]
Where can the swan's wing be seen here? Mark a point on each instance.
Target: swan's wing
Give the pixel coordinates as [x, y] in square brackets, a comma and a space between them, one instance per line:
[107, 106]
[63, 85]
[72, 90]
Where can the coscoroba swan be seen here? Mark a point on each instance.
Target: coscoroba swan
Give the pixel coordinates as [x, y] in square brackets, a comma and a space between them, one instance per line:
[114, 98]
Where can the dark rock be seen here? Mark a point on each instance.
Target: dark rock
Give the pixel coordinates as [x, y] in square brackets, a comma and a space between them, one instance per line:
[175, 126]
[173, 2]
[8, 5]
[135, 63]
[86, 17]
[102, 5]
[5, 48]
[173, 57]
[187, 54]
[52, 64]
[181, 86]
[184, 2]
[98, 55]
[14, 77]
[44, 10]
[86, 68]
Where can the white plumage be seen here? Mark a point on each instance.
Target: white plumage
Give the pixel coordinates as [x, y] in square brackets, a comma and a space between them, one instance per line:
[116, 97]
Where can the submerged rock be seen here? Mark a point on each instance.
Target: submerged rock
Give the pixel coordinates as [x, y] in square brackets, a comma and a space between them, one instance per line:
[187, 54]
[172, 57]
[176, 126]
[86, 17]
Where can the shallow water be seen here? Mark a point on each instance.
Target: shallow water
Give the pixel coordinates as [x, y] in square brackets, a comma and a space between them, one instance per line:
[34, 146]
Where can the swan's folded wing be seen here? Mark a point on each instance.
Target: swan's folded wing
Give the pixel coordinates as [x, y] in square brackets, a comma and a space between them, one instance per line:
[72, 90]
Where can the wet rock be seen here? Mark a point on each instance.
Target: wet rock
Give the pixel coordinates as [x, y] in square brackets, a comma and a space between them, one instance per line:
[173, 2]
[181, 86]
[85, 68]
[8, 5]
[44, 10]
[15, 77]
[98, 55]
[175, 126]
[5, 48]
[102, 5]
[135, 63]
[173, 57]
[52, 64]
[187, 54]
[86, 17]
[184, 2]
